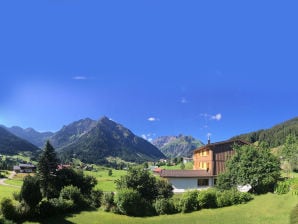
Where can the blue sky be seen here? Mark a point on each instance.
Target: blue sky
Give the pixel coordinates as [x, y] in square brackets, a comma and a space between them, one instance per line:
[157, 67]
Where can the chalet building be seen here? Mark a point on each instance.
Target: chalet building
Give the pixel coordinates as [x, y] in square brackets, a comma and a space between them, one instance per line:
[209, 161]
[25, 168]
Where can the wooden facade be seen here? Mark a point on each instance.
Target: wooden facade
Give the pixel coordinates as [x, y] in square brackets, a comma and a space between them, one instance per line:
[212, 157]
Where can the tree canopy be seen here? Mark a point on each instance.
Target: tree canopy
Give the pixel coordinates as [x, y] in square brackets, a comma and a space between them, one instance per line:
[252, 165]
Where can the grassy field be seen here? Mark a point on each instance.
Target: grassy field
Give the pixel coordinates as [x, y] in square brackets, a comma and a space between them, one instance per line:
[106, 182]
[188, 166]
[6, 191]
[269, 209]
[17, 179]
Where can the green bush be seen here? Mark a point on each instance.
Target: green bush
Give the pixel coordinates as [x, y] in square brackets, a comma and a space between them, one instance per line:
[164, 206]
[129, 202]
[95, 197]
[7, 209]
[207, 198]
[46, 208]
[232, 197]
[73, 193]
[189, 202]
[107, 201]
[5, 221]
[30, 191]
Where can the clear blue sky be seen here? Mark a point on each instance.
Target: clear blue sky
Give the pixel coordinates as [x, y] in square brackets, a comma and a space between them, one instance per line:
[157, 67]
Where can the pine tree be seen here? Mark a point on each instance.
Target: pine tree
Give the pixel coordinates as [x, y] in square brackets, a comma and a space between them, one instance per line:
[47, 166]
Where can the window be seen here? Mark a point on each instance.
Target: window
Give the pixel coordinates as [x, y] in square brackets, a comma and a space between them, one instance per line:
[204, 165]
[203, 182]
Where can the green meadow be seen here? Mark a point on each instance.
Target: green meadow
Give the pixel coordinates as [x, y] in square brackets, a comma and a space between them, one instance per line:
[269, 209]
[106, 182]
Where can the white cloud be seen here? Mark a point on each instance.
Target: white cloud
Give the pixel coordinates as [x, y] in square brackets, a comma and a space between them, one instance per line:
[152, 119]
[79, 77]
[216, 117]
[148, 137]
[183, 100]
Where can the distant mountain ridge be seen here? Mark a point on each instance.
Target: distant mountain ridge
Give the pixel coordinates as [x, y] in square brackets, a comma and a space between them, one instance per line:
[274, 136]
[11, 144]
[108, 138]
[31, 135]
[177, 146]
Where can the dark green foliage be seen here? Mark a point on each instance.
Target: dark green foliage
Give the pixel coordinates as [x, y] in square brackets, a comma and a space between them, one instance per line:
[207, 198]
[7, 209]
[141, 181]
[251, 165]
[47, 166]
[5, 221]
[129, 202]
[11, 144]
[231, 197]
[274, 136]
[95, 198]
[289, 152]
[108, 201]
[110, 172]
[164, 189]
[72, 193]
[294, 215]
[189, 202]
[164, 206]
[147, 185]
[30, 191]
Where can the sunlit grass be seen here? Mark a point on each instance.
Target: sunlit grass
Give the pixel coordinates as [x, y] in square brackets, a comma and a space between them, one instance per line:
[269, 209]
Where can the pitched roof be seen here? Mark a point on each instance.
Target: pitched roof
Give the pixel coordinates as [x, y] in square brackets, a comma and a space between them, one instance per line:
[215, 144]
[185, 173]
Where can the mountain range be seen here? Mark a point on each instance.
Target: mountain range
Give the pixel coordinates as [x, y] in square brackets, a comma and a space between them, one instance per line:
[177, 146]
[93, 141]
[11, 144]
[88, 140]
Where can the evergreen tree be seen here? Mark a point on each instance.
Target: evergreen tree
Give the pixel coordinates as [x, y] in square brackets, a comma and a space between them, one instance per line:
[289, 152]
[47, 166]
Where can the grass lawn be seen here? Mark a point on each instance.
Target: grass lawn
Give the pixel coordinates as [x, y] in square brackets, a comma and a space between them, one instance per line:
[6, 191]
[106, 182]
[269, 209]
[188, 166]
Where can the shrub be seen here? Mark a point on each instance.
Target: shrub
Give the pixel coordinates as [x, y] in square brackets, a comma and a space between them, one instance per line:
[189, 202]
[30, 191]
[74, 194]
[223, 199]
[129, 202]
[46, 208]
[232, 197]
[207, 198]
[7, 209]
[282, 187]
[108, 201]
[95, 197]
[5, 221]
[164, 206]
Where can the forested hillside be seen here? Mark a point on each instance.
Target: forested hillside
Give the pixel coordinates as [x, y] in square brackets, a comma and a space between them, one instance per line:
[274, 136]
